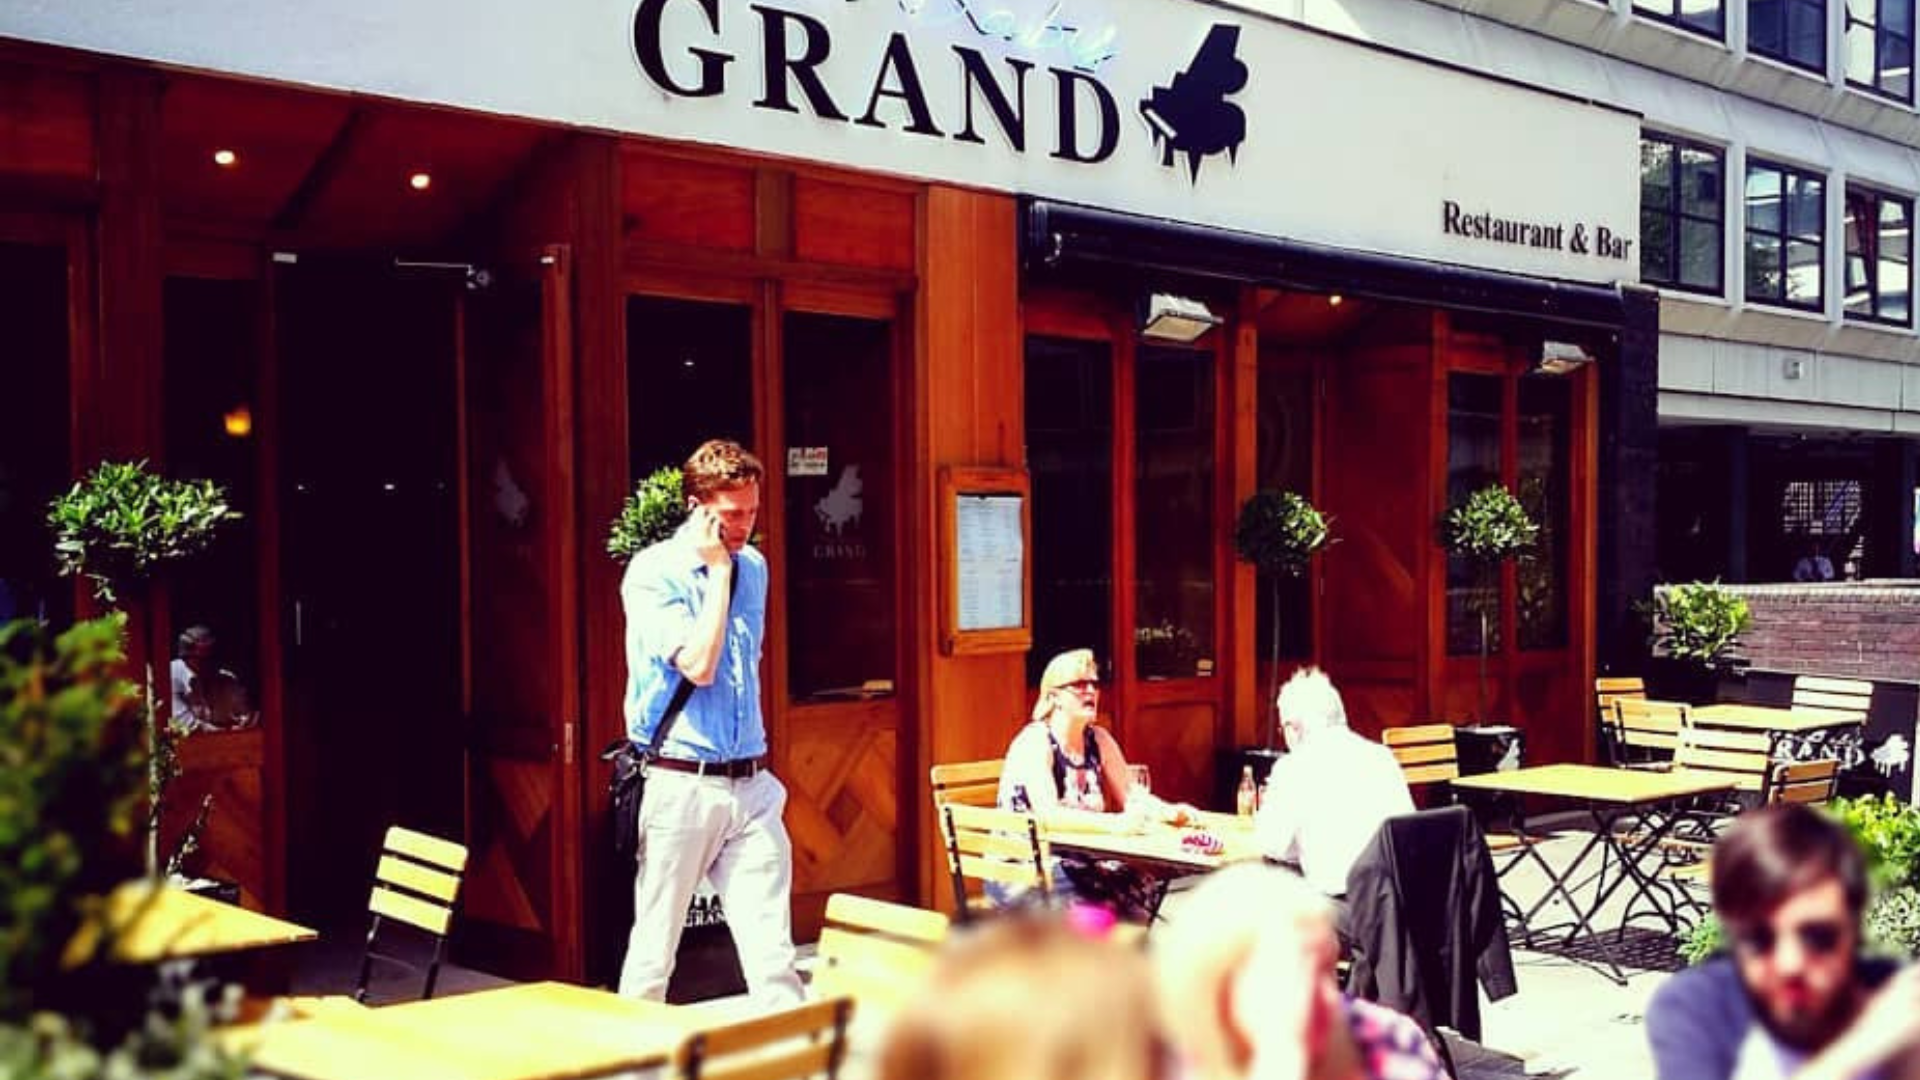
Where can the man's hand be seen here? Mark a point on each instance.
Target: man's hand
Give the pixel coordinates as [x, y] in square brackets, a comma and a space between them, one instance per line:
[708, 541]
[1886, 1030]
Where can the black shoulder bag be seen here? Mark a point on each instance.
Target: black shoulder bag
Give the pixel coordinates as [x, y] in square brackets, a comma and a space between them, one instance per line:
[629, 779]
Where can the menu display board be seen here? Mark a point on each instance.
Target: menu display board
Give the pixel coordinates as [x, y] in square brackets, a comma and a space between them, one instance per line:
[984, 545]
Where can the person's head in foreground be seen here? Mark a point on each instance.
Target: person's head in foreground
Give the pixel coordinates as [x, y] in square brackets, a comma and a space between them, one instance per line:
[1309, 703]
[1028, 997]
[1790, 885]
[1246, 986]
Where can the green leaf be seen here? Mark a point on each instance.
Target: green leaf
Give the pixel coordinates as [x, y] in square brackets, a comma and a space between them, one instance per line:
[1278, 531]
[1490, 525]
[655, 509]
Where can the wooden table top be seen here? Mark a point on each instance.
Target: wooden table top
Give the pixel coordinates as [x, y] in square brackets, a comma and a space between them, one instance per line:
[1161, 844]
[173, 923]
[1595, 783]
[1768, 718]
[534, 1031]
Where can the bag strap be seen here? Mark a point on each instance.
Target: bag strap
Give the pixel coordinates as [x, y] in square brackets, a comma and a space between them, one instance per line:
[685, 690]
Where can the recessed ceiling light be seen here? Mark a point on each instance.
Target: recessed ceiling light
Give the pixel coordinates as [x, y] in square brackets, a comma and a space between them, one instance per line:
[226, 159]
[420, 181]
[1335, 300]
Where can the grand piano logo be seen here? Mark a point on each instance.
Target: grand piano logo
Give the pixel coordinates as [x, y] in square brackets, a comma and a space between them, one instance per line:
[1191, 114]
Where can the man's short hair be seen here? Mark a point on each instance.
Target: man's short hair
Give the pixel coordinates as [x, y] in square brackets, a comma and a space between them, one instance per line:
[1309, 702]
[193, 636]
[1775, 851]
[719, 465]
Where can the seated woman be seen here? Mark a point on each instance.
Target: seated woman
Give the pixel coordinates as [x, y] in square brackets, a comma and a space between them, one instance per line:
[1069, 771]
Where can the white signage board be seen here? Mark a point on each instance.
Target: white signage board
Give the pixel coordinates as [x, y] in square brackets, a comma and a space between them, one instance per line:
[991, 551]
[1169, 108]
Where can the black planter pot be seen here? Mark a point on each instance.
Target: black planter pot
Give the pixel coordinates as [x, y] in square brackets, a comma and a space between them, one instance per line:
[1669, 679]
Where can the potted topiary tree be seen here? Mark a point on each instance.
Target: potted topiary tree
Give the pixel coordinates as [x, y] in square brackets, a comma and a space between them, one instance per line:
[1695, 627]
[71, 775]
[1278, 532]
[1487, 529]
[120, 527]
[657, 507]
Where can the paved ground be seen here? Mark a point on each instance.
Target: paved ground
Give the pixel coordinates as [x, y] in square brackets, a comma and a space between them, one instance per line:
[1568, 1020]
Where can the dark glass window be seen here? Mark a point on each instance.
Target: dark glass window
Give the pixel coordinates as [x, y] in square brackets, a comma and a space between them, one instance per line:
[1682, 213]
[1540, 604]
[209, 388]
[1285, 448]
[1473, 461]
[1786, 231]
[1702, 16]
[1879, 47]
[1069, 395]
[1879, 257]
[34, 437]
[1173, 513]
[689, 379]
[1791, 31]
[840, 541]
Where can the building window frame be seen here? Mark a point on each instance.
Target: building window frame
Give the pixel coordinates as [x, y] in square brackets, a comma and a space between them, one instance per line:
[1668, 13]
[1783, 53]
[1881, 35]
[1783, 235]
[1861, 193]
[1677, 215]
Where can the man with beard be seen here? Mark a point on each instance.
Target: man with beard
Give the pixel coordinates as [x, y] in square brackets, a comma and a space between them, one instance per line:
[1795, 998]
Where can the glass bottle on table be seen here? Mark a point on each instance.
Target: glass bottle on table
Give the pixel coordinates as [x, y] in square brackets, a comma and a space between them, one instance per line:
[1247, 797]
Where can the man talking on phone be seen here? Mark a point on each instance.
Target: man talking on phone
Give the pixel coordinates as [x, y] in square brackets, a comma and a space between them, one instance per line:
[695, 608]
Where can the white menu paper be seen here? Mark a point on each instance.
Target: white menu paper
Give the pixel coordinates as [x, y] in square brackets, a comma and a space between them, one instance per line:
[991, 549]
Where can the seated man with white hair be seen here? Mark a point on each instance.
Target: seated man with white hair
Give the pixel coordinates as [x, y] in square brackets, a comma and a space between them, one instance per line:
[1332, 791]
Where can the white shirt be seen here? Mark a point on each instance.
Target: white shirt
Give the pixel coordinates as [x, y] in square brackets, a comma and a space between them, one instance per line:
[1325, 801]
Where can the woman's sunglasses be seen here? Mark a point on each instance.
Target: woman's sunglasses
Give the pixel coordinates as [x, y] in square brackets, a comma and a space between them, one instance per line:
[1081, 686]
[1818, 938]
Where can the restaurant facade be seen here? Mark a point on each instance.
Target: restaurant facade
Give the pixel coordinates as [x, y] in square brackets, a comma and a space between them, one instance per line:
[429, 286]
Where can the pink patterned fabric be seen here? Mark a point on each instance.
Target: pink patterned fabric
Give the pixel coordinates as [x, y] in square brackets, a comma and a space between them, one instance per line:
[1391, 1045]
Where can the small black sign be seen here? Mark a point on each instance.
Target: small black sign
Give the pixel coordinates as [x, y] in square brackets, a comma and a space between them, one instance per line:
[1191, 114]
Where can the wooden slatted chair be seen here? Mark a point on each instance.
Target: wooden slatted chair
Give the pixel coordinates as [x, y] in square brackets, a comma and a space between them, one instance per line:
[1606, 690]
[417, 882]
[987, 844]
[975, 783]
[807, 1041]
[1426, 753]
[875, 952]
[1810, 782]
[1647, 733]
[1841, 699]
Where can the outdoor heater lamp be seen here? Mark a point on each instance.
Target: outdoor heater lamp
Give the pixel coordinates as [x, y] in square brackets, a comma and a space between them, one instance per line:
[1176, 319]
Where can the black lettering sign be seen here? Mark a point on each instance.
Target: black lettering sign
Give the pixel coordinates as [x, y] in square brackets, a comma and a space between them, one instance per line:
[803, 69]
[646, 46]
[898, 63]
[1067, 147]
[977, 81]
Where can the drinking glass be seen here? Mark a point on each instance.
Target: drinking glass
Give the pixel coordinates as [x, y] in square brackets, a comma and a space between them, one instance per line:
[1142, 779]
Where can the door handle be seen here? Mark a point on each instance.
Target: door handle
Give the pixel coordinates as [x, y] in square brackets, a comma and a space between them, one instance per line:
[299, 624]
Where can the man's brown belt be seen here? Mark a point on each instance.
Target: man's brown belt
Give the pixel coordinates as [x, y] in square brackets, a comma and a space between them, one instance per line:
[732, 770]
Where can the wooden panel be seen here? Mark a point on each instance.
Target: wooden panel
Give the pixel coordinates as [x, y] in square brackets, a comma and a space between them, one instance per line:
[679, 200]
[860, 226]
[1177, 742]
[228, 767]
[276, 135]
[1375, 435]
[46, 125]
[841, 765]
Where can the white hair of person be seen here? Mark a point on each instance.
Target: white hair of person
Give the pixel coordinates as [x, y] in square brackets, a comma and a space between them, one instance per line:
[1309, 701]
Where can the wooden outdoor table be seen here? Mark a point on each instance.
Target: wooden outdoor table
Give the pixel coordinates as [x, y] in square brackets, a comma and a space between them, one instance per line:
[172, 924]
[1769, 718]
[1158, 846]
[534, 1031]
[1607, 795]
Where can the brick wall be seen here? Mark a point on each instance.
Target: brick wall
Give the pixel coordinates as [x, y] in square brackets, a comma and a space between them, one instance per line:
[1848, 629]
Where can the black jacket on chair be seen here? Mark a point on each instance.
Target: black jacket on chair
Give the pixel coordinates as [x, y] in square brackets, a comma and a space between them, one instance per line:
[1424, 913]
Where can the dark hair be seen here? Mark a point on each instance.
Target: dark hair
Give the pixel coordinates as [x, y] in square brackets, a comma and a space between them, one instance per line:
[718, 465]
[1778, 850]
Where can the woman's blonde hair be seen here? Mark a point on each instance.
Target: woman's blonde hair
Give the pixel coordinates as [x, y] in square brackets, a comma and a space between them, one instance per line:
[1028, 997]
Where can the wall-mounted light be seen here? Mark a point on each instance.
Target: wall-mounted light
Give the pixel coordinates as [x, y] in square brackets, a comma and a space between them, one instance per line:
[420, 181]
[238, 421]
[225, 158]
[1176, 318]
[1336, 300]
[1561, 357]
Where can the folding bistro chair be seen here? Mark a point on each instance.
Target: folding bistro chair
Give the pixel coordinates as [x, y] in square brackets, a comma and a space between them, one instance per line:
[807, 1041]
[875, 952]
[974, 783]
[986, 844]
[1843, 699]
[1606, 691]
[416, 883]
[1646, 733]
